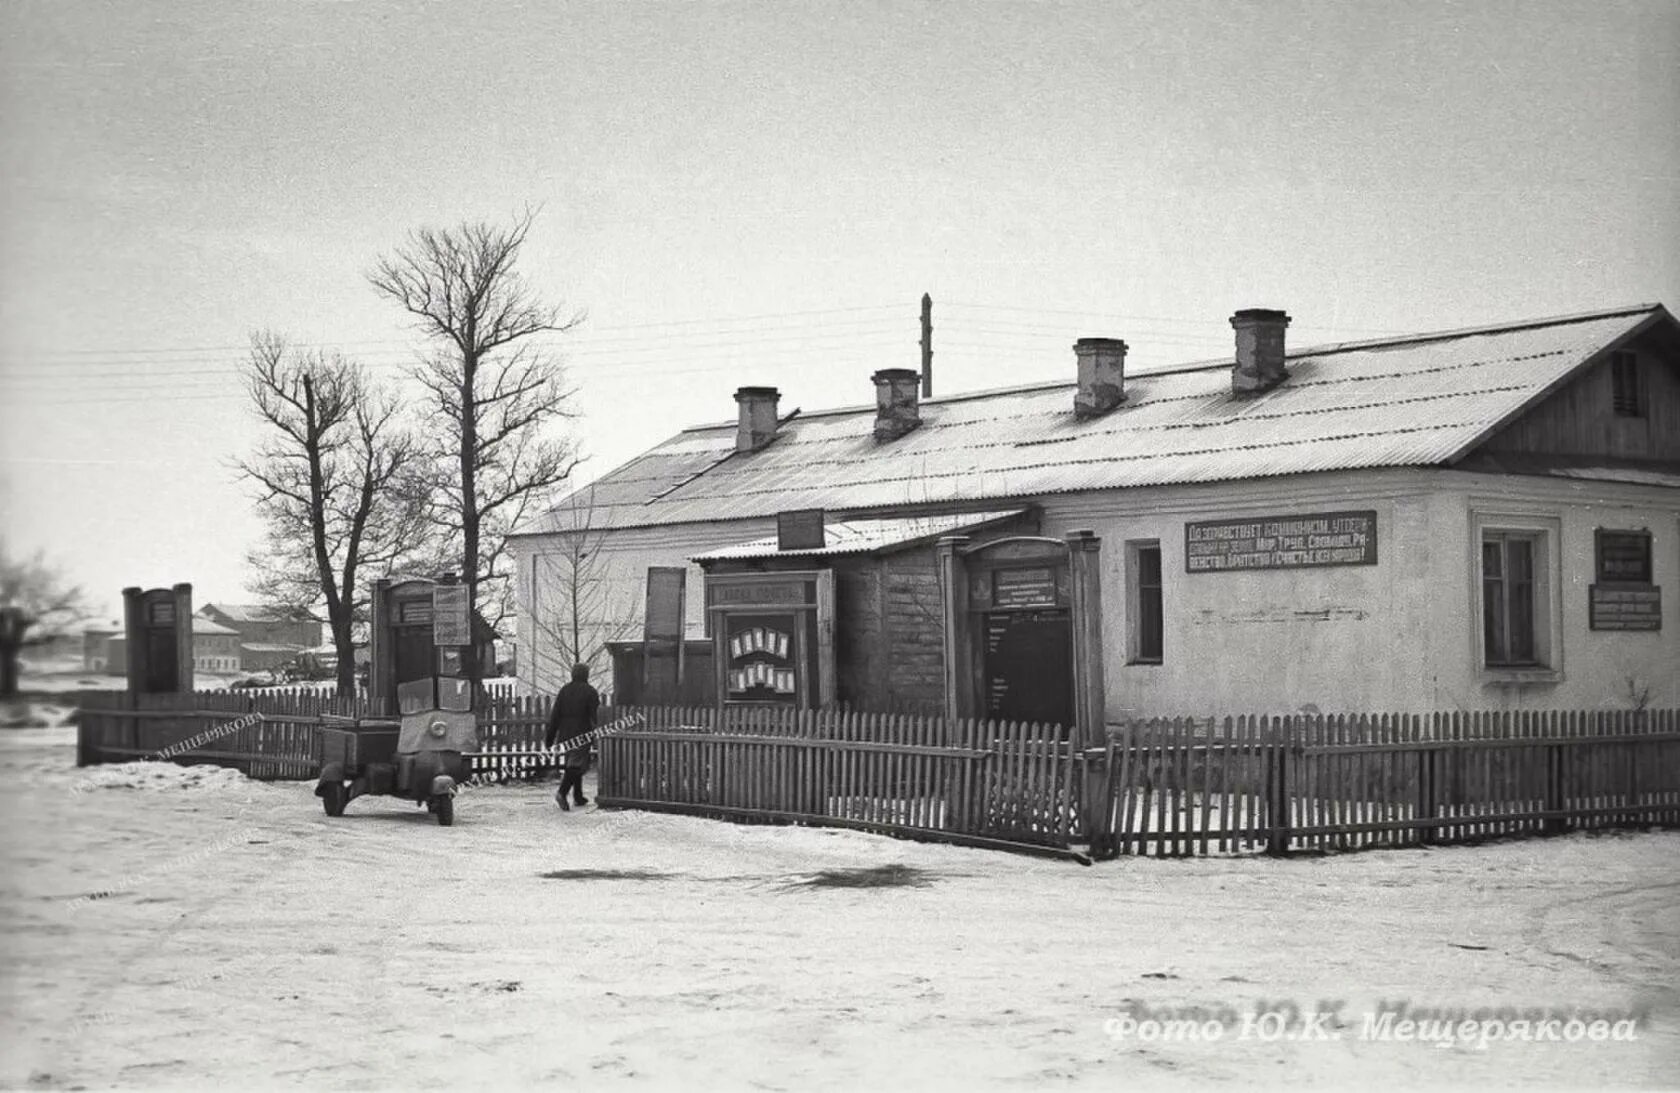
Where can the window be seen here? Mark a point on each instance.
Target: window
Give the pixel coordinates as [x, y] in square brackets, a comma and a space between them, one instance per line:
[1624, 384]
[1508, 599]
[1144, 584]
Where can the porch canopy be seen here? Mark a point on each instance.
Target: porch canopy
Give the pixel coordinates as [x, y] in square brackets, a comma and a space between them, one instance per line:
[874, 536]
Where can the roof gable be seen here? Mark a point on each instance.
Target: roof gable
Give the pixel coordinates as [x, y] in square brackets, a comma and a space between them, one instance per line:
[1419, 401]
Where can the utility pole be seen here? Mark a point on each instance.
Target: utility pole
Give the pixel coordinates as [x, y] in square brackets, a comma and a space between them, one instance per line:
[927, 346]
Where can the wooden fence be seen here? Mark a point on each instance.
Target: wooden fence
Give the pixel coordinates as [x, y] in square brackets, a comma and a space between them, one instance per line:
[1159, 787]
[983, 783]
[1327, 782]
[115, 727]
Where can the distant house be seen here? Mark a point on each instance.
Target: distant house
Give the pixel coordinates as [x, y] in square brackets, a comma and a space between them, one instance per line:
[269, 637]
[216, 648]
[265, 625]
[96, 648]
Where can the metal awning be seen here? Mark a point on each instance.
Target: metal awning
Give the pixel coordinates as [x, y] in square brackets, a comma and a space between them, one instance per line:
[867, 536]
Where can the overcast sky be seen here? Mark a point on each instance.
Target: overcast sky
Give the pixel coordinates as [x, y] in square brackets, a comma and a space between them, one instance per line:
[760, 193]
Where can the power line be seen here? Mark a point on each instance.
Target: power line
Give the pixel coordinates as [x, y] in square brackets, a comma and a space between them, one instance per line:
[716, 320]
[1171, 319]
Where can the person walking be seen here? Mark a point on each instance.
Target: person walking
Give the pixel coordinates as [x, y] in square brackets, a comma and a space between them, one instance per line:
[573, 716]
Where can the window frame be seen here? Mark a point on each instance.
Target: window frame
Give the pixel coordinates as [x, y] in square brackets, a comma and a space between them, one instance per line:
[1135, 592]
[1546, 535]
[1508, 583]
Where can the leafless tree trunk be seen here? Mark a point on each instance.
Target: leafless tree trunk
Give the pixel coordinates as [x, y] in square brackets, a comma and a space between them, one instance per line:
[330, 480]
[495, 386]
[32, 597]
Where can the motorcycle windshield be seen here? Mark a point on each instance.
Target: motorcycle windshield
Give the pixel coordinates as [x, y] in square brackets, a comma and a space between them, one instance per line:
[455, 694]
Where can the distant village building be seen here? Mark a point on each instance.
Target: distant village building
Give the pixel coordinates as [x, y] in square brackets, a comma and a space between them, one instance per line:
[1473, 519]
[96, 648]
[269, 638]
[216, 648]
[265, 625]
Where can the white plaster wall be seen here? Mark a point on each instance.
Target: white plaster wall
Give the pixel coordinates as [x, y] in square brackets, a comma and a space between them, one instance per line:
[1596, 665]
[1343, 637]
[1398, 636]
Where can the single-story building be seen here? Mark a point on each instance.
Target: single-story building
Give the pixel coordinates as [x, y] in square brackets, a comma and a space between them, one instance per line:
[265, 625]
[1471, 519]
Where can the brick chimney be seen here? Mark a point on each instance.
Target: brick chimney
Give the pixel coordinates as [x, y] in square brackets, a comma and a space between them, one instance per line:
[1102, 375]
[757, 427]
[1259, 364]
[896, 408]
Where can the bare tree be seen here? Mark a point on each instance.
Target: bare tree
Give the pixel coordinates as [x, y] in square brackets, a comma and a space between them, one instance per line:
[333, 484]
[33, 597]
[494, 384]
[590, 609]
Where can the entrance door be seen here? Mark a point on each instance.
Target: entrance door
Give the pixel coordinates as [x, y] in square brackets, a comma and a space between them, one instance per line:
[1029, 666]
[161, 652]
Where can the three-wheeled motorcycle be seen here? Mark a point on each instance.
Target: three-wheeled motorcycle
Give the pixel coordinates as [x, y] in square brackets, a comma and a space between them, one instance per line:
[421, 757]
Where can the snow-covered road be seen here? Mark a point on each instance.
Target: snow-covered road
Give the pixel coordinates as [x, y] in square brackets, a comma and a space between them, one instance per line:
[244, 939]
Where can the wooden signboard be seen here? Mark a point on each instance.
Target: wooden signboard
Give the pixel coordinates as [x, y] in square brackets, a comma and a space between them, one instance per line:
[451, 615]
[801, 529]
[667, 593]
[1624, 607]
[1623, 556]
[1306, 541]
[1034, 586]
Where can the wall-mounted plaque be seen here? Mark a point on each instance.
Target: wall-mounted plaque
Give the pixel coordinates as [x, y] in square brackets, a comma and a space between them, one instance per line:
[1030, 586]
[801, 529]
[414, 612]
[760, 590]
[1623, 556]
[1306, 541]
[1624, 607]
[161, 612]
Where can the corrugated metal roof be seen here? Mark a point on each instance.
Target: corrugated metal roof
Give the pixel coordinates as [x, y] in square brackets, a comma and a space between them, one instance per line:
[1415, 401]
[864, 536]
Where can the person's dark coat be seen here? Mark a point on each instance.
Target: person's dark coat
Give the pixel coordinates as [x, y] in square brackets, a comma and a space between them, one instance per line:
[573, 715]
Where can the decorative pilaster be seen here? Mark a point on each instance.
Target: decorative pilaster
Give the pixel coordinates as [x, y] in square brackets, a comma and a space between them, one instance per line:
[953, 583]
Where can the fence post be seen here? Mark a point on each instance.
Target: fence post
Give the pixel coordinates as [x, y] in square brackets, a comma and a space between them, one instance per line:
[1427, 802]
[1555, 825]
[1277, 838]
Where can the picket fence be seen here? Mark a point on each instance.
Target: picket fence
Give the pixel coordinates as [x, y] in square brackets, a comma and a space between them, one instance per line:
[1332, 782]
[1002, 784]
[115, 727]
[1163, 787]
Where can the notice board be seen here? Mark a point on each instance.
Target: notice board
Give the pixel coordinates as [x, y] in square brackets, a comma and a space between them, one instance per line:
[1610, 607]
[451, 615]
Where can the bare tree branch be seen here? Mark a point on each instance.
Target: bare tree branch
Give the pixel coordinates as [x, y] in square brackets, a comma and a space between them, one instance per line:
[493, 385]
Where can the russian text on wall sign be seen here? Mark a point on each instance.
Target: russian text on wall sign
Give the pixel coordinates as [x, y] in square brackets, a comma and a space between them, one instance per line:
[1281, 542]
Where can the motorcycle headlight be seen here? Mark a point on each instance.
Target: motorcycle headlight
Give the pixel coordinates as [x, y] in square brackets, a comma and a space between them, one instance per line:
[438, 728]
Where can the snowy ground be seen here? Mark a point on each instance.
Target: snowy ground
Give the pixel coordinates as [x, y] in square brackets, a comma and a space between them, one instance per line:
[244, 939]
